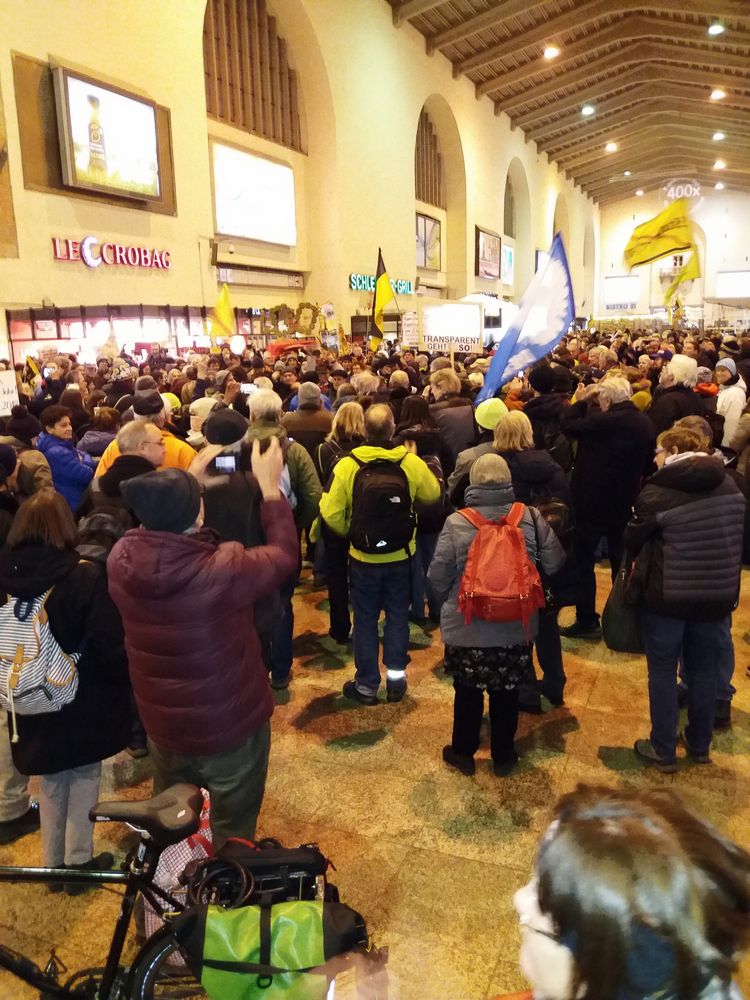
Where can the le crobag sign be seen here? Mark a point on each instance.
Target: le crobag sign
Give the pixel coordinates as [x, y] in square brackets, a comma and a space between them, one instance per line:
[93, 254]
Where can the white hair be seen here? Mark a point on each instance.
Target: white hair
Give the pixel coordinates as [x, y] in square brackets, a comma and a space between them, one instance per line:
[684, 370]
[398, 380]
[264, 405]
[615, 389]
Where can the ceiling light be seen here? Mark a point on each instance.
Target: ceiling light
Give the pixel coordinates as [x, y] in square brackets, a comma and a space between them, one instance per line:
[626, 173]
[718, 136]
[551, 52]
[611, 147]
[717, 94]
[639, 193]
[716, 28]
[719, 165]
[719, 186]
[587, 109]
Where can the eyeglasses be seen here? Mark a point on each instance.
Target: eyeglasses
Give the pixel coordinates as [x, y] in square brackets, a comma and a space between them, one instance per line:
[526, 922]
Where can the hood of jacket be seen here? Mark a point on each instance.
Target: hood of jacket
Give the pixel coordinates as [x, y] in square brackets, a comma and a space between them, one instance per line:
[159, 564]
[532, 465]
[264, 430]
[548, 407]
[123, 468]
[707, 389]
[489, 495]
[369, 452]
[29, 570]
[48, 442]
[427, 439]
[696, 474]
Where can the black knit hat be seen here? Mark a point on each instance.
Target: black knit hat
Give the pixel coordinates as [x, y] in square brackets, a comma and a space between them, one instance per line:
[542, 379]
[22, 425]
[224, 426]
[168, 500]
[147, 403]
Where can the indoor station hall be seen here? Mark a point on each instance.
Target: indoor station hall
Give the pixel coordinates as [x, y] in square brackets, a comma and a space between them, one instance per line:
[374, 484]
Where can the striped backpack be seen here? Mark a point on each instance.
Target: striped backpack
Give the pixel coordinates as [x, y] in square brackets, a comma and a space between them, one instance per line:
[36, 674]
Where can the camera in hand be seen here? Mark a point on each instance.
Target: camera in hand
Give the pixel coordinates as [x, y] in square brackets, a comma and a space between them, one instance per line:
[225, 464]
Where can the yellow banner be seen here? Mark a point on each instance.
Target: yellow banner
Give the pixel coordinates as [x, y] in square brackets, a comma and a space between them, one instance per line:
[222, 320]
[688, 272]
[667, 233]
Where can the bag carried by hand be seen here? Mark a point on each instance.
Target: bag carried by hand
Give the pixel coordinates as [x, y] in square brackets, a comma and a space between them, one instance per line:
[500, 583]
[36, 674]
[270, 952]
[620, 629]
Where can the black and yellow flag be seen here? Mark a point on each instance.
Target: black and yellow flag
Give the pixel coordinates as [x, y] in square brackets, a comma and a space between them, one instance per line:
[667, 233]
[383, 295]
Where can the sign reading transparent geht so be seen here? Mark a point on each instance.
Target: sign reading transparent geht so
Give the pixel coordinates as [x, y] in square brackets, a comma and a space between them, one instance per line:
[451, 327]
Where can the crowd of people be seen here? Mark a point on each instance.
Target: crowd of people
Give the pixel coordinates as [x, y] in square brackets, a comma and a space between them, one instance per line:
[157, 516]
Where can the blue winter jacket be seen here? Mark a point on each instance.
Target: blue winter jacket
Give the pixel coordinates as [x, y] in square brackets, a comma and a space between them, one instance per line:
[72, 470]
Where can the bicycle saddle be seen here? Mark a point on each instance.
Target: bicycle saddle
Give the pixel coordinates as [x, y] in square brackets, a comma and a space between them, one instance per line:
[167, 818]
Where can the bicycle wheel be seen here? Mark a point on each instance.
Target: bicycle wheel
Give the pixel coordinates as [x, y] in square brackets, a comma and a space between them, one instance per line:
[161, 973]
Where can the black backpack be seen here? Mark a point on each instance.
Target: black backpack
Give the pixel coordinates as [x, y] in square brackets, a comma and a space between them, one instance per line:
[383, 519]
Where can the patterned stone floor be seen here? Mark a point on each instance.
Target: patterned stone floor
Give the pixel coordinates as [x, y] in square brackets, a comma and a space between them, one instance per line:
[429, 857]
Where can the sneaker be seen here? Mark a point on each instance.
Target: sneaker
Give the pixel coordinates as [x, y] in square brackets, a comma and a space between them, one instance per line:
[530, 707]
[503, 768]
[723, 716]
[558, 701]
[281, 683]
[352, 692]
[99, 863]
[138, 752]
[460, 761]
[395, 691]
[579, 631]
[13, 829]
[697, 758]
[648, 755]
[341, 640]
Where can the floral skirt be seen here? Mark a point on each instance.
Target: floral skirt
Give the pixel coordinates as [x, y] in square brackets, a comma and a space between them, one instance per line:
[495, 668]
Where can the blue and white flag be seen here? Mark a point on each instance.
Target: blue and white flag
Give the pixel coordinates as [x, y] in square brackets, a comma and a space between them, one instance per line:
[546, 310]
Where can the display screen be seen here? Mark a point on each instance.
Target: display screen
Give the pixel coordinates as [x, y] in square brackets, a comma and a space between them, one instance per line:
[508, 264]
[253, 197]
[108, 138]
[487, 254]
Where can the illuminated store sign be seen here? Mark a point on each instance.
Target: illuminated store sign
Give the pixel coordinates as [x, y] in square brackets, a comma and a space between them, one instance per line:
[93, 253]
[366, 283]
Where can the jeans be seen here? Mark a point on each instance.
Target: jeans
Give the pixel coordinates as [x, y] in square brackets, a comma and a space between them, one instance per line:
[586, 541]
[549, 655]
[725, 690]
[280, 652]
[376, 587]
[337, 581]
[420, 585]
[664, 639]
[64, 802]
[468, 706]
[14, 786]
[235, 779]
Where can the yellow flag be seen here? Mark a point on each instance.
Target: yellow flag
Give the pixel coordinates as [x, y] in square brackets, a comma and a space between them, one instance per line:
[31, 363]
[688, 272]
[222, 320]
[383, 295]
[667, 233]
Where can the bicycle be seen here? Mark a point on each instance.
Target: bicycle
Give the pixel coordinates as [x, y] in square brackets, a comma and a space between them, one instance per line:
[161, 821]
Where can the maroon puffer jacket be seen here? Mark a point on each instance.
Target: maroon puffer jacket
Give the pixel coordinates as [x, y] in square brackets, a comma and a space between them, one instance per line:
[186, 605]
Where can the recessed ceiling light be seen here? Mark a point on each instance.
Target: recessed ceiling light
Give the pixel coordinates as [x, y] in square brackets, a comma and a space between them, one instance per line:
[587, 109]
[719, 186]
[626, 173]
[551, 52]
[716, 29]
[639, 193]
[717, 94]
[718, 136]
[719, 165]
[611, 147]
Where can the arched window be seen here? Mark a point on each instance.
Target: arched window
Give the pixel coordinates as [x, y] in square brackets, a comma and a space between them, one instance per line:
[249, 82]
[428, 164]
[509, 224]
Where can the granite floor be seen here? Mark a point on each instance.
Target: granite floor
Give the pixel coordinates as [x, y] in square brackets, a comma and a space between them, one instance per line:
[429, 857]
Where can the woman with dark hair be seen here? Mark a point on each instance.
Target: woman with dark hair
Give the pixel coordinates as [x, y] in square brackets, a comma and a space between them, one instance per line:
[72, 470]
[73, 400]
[633, 896]
[66, 748]
[102, 432]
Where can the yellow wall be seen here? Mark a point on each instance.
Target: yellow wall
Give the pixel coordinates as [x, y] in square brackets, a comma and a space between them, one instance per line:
[363, 84]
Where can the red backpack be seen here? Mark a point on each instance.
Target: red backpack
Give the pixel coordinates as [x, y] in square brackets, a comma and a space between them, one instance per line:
[500, 583]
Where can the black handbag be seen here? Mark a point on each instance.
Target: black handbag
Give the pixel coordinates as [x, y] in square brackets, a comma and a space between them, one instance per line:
[620, 628]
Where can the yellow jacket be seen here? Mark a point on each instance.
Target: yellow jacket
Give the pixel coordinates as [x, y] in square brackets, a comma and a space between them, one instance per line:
[336, 504]
[177, 454]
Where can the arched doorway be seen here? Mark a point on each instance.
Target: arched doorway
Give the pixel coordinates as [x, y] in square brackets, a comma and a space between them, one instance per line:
[561, 221]
[517, 225]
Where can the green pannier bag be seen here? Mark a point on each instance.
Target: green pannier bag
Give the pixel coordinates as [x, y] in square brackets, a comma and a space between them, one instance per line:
[272, 952]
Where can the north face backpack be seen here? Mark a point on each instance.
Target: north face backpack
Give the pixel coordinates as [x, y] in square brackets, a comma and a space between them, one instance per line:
[36, 674]
[383, 519]
[500, 583]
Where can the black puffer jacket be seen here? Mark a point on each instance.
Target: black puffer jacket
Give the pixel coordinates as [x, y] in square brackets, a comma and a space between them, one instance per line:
[687, 535]
[534, 474]
[673, 404]
[546, 413]
[454, 417]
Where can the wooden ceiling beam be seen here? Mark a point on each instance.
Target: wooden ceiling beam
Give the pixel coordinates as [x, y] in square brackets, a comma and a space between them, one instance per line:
[593, 92]
[664, 129]
[643, 92]
[686, 161]
[630, 27]
[621, 192]
[629, 54]
[504, 11]
[413, 8]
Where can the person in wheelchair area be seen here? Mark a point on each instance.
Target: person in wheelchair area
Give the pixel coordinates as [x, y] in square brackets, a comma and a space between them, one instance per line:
[66, 748]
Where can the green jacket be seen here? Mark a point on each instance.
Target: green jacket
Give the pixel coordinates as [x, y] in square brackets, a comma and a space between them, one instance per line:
[304, 478]
[336, 504]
